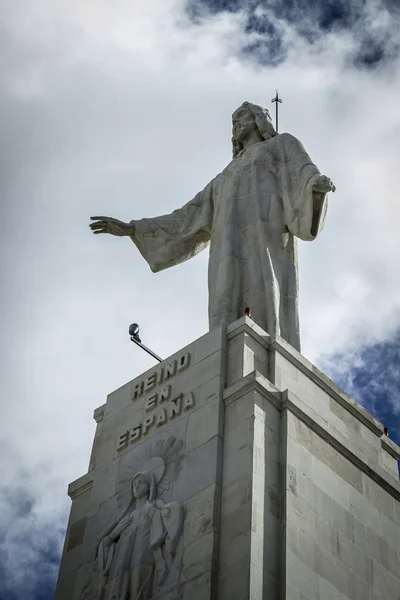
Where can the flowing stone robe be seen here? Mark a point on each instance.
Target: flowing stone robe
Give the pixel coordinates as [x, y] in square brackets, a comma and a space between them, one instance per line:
[140, 558]
[251, 215]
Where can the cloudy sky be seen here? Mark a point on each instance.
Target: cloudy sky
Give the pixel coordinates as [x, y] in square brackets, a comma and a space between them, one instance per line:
[122, 107]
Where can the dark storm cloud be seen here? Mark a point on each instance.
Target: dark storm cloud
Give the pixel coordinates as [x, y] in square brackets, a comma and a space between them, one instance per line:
[36, 549]
[312, 19]
[325, 14]
[372, 377]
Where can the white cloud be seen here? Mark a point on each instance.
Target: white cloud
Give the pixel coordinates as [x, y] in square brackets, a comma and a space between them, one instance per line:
[124, 108]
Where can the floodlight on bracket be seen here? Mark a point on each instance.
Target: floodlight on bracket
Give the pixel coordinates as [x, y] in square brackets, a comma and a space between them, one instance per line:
[134, 336]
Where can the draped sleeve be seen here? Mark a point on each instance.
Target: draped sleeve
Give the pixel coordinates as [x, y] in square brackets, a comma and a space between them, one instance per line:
[165, 525]
[171, 239]
[304, 214]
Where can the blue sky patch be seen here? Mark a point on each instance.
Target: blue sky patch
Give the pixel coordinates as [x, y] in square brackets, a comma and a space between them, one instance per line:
[372, 377]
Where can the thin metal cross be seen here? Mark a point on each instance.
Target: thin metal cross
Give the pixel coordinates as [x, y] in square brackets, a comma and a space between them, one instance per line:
[276, 100]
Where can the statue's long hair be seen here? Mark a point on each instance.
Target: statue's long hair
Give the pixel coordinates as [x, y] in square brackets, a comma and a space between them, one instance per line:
[263, 123]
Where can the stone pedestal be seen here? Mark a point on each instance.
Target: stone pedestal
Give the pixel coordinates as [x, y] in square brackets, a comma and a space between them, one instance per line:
[269, 483]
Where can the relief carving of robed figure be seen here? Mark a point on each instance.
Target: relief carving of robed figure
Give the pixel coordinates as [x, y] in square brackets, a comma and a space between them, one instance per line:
[135, 556]
[250, 214]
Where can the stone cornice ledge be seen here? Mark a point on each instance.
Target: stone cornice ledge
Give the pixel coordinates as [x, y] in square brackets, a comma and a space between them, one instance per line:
[296, 406]
[391, 447]
[254, 381]
[80, 486]
[98, 413]
[247, 325]
[329, 386]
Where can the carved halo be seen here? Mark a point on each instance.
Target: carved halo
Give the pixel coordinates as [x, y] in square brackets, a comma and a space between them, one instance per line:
[156, 458]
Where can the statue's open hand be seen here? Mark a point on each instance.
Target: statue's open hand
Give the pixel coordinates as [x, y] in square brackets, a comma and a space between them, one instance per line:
[324, 184]
[110, 225]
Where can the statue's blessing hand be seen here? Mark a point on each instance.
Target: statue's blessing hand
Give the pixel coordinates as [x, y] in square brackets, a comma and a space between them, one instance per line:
[110, 225]
[324, 184]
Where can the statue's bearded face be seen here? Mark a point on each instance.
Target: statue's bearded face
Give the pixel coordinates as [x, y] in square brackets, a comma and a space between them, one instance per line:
[140, 487]
[243, 123]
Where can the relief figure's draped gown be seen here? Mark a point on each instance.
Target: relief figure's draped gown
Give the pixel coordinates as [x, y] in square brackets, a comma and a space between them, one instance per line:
[250, 214]
[129, 564]
[132, 567]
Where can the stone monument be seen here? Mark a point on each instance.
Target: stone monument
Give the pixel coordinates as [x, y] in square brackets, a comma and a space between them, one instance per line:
[251, 214]
[235, 469]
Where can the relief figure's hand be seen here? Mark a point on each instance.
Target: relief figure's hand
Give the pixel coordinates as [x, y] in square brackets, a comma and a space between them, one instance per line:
[122, 525]
[324, 184]
[112, 226]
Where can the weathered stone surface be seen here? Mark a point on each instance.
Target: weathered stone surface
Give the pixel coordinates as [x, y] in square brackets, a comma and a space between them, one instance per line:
[327, 591]
[71, 562]
[81, 500]
[198, 588]
[389, 463]
[235, 539]
[236, 494]
[365, 511]
[104, 484]
[76, 534]
[209, 343]
[118, 399]
[301, 577]
[198, 557]
[205, 423]
[103, 515]
[85, 582]
[378, 497]
[202, 514]
[200, 469]
[245, 355]
[390, 531]
[235, 583]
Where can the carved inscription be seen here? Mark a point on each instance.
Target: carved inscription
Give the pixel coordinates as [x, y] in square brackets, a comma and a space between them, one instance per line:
[173, 408]
[161, 375]
[160, 405]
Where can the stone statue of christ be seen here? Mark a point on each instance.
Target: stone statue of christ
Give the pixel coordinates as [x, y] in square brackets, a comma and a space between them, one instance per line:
[251, 215]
